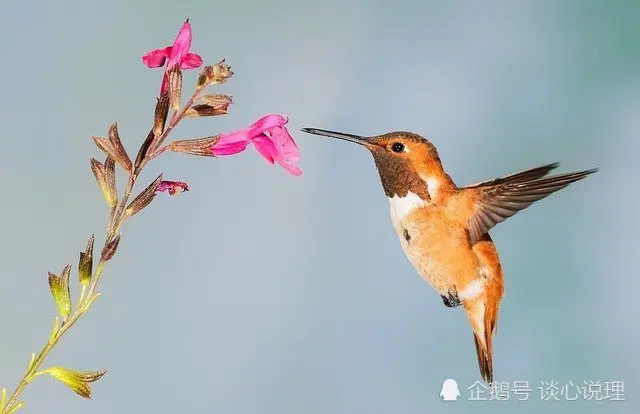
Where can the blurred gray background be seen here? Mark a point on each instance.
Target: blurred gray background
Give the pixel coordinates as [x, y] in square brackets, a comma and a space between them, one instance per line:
[259, 292]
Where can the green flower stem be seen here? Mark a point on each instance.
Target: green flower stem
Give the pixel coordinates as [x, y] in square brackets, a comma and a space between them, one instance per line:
[117, 216]
[81, 308]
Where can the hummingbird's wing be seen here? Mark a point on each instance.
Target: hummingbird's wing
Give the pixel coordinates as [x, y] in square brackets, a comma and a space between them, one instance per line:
[519, 177]
[498, 199]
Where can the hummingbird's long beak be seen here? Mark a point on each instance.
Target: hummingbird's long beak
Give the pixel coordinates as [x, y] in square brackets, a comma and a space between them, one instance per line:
[347, 137]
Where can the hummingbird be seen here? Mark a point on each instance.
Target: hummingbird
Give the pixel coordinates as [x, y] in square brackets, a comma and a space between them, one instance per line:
[444, 229]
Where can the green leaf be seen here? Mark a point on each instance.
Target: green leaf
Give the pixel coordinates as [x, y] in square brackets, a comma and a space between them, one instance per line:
[16, 407]
[78, 381]
[60, 290]
[86, 263]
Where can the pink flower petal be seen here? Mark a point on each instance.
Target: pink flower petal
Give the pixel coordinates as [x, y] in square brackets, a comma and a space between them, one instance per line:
[254, 130]
[178, 54]
[266, 123]
[181, 45]
[292, 169]
[190, 61]
[265, 147]
[230, 144]
[287, 149]
[156, 58]
[271, 139]
[172, 187]
[286, 146]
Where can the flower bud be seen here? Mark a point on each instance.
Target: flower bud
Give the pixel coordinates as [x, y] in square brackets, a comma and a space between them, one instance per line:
[216, 74]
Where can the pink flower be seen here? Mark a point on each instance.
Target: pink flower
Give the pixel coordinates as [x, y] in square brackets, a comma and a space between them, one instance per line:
[178, 54]
[172, 187]
[269, 136]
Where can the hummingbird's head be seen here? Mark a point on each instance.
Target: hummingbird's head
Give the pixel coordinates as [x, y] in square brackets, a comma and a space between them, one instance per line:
[406, 161]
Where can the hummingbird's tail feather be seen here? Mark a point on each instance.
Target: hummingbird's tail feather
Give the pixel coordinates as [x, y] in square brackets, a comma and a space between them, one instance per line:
[483, 317]
[485, 361]
[482, 310]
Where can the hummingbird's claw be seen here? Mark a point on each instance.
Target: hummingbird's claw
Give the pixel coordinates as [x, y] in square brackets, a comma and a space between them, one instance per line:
[451, 300]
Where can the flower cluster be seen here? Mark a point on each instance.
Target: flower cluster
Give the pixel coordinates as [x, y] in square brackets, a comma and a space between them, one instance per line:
[269, 135]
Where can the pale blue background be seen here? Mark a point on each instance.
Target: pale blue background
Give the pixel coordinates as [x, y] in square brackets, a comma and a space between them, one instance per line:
[259, 292]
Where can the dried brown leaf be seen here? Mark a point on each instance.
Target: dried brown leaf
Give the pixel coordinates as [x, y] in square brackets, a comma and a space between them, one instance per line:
[101, 177]
[104, 145]
[161, 113]
[205, 110]
[119, 153]
[144, 150]
[145, 197]
[217, 100]
[110, 249]
[110, 180]
[175, 87]
[197, 146]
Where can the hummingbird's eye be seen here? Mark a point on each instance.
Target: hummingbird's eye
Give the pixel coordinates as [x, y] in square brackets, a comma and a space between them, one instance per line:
[397, 147]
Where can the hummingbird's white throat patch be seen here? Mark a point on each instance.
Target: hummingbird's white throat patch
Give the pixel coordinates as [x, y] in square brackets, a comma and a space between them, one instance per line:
[433, 185]
[401, 207]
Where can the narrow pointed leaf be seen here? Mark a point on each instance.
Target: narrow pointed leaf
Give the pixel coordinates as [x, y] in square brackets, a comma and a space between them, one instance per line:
[3, 399]
[60, 290]
[110, 249]
[120, 153]
[16, 407]
[161, 113]
[110, 180]
[98, 171]
[175, 87]
[85, 265]
[104, 145]
[144, 150]
[145, 197]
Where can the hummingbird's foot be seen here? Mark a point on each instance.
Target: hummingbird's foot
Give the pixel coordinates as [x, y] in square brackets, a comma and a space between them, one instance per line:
[451, 300]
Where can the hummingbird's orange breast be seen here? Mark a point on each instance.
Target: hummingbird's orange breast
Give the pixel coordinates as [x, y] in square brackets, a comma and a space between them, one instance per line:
[437, 245]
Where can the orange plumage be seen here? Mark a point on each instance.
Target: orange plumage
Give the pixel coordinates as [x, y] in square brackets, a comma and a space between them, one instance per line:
[444, 229]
